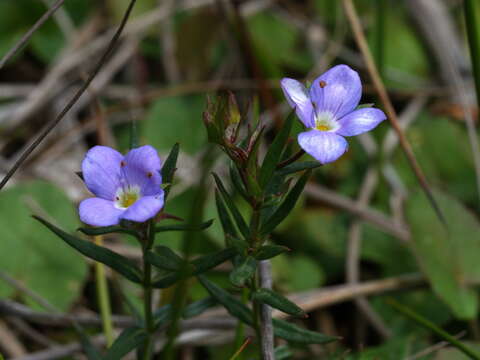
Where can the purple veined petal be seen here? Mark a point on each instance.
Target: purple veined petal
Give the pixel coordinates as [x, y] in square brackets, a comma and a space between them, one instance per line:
[101, 171]
[324, 146]
[144, 208]
[360, 121]
[338, 91]
[141, 167]
[99, 212]
[298, 97]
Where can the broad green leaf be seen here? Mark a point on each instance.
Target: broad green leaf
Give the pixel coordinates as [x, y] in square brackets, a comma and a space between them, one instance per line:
[234, 306]
[269, 251]
[127, 341]
[287, 205]
[237, 216]
[275, 152]
[291, 332]
[30, 253]
[449, 259]
[117, 262]
[173, 120]
[184, 227]
[278, 301]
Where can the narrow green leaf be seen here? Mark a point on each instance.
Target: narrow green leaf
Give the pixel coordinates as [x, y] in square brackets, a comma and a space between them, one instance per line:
[169, 167]
[197, 266]
[208, 262]
[198, 307]
[89, 349]
[127, 341]
[225, 219]
[291, 332]
[164, 258]
[282, 352]
[278, 301]
[94, 231]
[184, 227]
[244, 271]
[298, 166]
[275, 152]
[117, 262]
[237, 180]
[420, 320]
[287, 205]
[234, 306]
[269, 251]
[241, 224]
[162, 315]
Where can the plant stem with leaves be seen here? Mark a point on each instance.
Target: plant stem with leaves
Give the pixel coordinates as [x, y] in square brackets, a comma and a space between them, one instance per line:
[147, 243]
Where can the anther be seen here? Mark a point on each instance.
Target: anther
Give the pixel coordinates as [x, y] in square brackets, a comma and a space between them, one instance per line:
[122, 163]
[117, 198]
[322, 84]
[149, 174]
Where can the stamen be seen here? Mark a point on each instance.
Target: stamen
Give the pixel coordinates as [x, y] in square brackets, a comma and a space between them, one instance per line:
[122, 163]
[149, 174]
[322, 84]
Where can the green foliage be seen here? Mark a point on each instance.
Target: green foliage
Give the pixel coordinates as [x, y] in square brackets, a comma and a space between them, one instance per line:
[173, 120]
[275, 151]
[244, 271]
[278, 301]
[117, 262]
[127, 341]
[448, 258]
[32, 254]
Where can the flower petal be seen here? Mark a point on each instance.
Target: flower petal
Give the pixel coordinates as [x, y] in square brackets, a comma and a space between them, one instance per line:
[324, 146]
[298, 97]
[144, 208]
[99, 212]
[338, 91]
[142, 168]
[360, 121]
[101, 171]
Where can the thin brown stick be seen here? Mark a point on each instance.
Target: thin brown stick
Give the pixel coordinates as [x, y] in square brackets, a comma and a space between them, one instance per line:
[74, 99]
[359, 35]
[30, 32]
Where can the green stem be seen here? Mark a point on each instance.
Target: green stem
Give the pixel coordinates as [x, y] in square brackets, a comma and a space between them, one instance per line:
[147, 292]
[472, 18]
[103, 297]
[240, 329]
[432, 327]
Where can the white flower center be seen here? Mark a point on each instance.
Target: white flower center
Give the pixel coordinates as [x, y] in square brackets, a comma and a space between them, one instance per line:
[325, 121]
[127, 196]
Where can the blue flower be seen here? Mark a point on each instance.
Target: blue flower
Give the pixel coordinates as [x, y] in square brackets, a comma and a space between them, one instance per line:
[126, 187]
[328, 110]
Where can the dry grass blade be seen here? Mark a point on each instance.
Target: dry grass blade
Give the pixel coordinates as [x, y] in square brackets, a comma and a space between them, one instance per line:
[74, 99]
[359, 35]
[30, 32]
